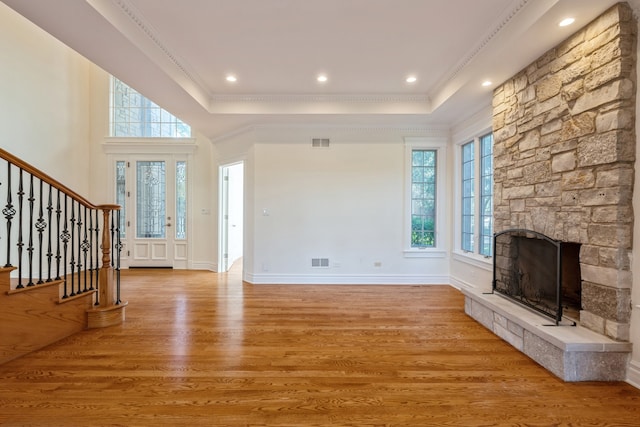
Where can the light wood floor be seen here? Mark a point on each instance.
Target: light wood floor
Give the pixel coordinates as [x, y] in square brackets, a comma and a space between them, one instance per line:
[204, 349]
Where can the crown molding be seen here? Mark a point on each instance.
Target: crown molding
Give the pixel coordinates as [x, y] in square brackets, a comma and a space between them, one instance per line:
[125, 18]
[507, 16]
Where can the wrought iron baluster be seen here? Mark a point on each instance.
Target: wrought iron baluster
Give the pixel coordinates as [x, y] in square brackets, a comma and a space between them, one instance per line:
[20, 243]
[91, 265]
[49, 218]
[98, 245]
[65, 237]
[41, 224]
[117, 256]
[113, 242]
[59, 239]
[85, 249]
[31, 199]
[72, 263]
[9, 212]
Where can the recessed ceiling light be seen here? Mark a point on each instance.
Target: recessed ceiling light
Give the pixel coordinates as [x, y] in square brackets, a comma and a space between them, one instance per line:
[566, 21]
[487, 83]
[411, 79]
[231, 78]
[322, 78]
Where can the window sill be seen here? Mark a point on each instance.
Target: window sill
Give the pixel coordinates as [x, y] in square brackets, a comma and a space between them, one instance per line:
[473, 259]
[424, 253]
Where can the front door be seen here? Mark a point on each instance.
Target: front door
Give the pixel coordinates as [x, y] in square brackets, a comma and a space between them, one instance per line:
[153, 193]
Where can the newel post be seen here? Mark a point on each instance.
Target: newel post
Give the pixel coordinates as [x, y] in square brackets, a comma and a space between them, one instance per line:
[110, 311]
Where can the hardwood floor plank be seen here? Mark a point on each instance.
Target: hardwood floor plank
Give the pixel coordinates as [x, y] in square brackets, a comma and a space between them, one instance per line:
[199, 348]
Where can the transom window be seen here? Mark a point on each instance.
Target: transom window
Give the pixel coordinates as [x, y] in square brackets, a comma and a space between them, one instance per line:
[134, 115]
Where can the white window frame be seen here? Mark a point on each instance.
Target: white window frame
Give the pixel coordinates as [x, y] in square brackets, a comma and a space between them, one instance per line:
[471, 257]
[439, 145]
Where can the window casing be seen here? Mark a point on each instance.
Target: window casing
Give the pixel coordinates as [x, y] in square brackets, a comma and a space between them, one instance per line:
[424, 207]
[476, 203]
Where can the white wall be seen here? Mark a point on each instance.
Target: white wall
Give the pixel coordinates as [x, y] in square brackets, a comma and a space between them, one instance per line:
[345, 203]
[633, 373]
[44, 107]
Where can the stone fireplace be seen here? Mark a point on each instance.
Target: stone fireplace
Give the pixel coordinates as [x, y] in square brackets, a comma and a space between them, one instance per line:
[564, 153]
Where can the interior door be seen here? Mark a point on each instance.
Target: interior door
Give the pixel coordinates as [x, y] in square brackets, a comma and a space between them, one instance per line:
[155, 211]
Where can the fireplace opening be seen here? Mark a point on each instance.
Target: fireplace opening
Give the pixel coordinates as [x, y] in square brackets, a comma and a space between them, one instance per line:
[538, 272]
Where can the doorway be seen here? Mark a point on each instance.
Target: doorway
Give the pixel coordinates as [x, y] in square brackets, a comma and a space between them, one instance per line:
[231, 215]
[152, 191]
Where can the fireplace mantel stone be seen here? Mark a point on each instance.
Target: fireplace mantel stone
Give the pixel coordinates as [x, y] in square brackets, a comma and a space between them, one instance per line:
[573, 353]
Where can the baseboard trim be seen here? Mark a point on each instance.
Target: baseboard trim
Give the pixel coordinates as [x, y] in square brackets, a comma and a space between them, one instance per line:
[348, 279]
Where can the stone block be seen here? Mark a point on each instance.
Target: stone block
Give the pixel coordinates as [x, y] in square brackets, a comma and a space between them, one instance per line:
[530, 140]
[536, 172]
[548, 87]
[617, 331]
[545, 353]
[614, 120]
[543, 154]
[612, 214]
[618, 258]
[520, 192]
[551, 126]
[611, 277]
[482, 314]
[598, 149]
[592, 322]
[579, 179]
[611, 235]
[564, 162]
[608, 303]
[611, 51]
[595, 366]
[573, 76]
[605, 74]
[590, 254]
[620, 176]
[548, 189]
[580, 125]
[506, 132]
[513, 339]
[602, 197]
[620, 12]
[617, 90]
[547, 105]
[563, 146]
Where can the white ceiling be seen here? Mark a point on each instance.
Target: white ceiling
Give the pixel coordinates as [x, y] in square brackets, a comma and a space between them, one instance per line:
[178, 52]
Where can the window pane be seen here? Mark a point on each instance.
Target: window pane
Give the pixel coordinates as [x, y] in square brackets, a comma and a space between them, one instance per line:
[121, 194]
[423, 197]
[468, 210]
[150, 200]
[181, 200]
[486, 195]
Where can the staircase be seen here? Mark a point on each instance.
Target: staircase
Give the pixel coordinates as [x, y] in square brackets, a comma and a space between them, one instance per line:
[59, 261]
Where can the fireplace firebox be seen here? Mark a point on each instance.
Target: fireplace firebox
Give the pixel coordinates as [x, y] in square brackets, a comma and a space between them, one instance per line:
[538, 272]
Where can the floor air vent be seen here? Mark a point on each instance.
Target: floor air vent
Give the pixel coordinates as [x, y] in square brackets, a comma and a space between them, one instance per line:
[320, 142]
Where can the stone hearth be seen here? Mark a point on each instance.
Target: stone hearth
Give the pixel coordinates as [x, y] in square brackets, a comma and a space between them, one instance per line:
[573, 353]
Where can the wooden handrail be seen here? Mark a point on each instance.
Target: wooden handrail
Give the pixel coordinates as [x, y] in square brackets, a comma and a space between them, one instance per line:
[46, 178]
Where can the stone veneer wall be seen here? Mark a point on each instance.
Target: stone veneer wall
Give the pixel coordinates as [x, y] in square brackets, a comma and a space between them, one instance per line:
[564, 135]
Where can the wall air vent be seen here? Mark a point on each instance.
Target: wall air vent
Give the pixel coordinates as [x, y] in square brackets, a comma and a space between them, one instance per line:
[320, 262]
[320, 142]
